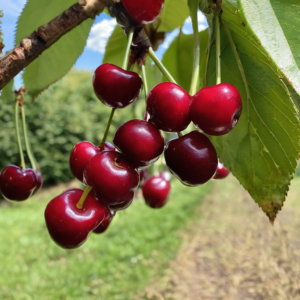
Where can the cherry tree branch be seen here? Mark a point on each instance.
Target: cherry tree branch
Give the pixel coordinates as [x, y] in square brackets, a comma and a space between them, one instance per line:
[45, 36]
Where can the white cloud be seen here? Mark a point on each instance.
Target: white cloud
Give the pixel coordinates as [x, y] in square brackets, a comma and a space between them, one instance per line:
[202, 24]
[169, 39]
[100, 34]
[13, 8]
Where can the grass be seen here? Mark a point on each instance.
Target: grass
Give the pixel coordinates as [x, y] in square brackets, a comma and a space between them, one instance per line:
[115, 265]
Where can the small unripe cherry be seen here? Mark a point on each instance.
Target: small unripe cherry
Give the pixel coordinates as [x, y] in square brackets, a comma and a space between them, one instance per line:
[216, 109]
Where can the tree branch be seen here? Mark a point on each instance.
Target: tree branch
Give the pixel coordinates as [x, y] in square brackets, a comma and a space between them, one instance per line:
[45, 36]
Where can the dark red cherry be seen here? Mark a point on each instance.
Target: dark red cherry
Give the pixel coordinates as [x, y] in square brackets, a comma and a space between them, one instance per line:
[168, 106]
[120, 206]
[146, 11]
[39, 181]
[106, 222]
[17, 184]
[81, 154]
[155, 191]
[191, 158]
[143, 175]
[113, 178]
[222, 172]
[116, 87]
[216, 109]
[140, 142]
[69, 226]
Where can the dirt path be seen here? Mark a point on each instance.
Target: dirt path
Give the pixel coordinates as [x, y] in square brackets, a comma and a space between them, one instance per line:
[233, 253]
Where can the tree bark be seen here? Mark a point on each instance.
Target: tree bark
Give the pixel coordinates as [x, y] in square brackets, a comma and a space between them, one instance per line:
[45, 36]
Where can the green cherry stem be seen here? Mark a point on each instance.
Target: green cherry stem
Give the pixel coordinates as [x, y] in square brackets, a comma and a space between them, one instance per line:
[29, 152]
[180, 134]
[193, 4]
[218, 50]
[18, 135]
[80, 203]
[161, 67]
[129, 42]
[145, 81]
[124, 66]
[102, 144]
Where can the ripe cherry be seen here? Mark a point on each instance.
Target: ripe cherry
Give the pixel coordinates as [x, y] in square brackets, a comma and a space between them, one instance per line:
[216, 109]
[106, 222]
[222, 172]
[140, 142]
[168, 106]
[191, 158]
[17, 184]
[112, 177]
[81, 154]
[155, 191]
[120, 206]
[116, 87]
[143, 176]
[146, 11]
[69, 226]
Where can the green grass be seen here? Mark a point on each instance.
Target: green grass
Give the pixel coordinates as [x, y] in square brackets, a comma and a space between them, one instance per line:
[138, 246]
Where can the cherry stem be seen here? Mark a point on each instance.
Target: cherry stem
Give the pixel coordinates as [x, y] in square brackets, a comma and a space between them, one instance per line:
[180, 134]
[80, 203]
[129, 42]
[218, 50]
[18, 135]
[145, 81]
[195, 75]
[29, 152]
[102, 144]
[161, 67]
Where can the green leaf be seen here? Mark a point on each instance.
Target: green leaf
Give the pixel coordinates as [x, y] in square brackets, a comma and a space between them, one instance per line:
[178, 59]
[262, 150]
[116, 47]
[173, 15]
[56, 61]
[276, 26]
[7, 93]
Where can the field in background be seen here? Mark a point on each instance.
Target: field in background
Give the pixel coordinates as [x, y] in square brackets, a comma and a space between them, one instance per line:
[138, 246]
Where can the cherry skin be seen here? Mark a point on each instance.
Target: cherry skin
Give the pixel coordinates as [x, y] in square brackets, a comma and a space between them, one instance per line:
[140, 142]
[120, 206]
[17, 184]
[155, 191]
[216, 109]
[191, 158]
[143, 175]
[109, 215]
[222, 172]
[146, 11]
[116, 87]
[113, 178]
[81, 154]
[39, 181]
[69, 226]
[168, 106]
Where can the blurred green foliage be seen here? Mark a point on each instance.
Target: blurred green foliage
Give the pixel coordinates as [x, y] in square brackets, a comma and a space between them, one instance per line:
[65, 114]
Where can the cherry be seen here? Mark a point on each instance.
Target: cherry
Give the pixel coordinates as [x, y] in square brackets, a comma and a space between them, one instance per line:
[155, 191]
[191, 158]
[216, 109]
[81, 154]
[69, 226]
[143, 175]
[39, 181]
[116, 87]
[222, 172]
[146, 11]
[112, 177]
[105, 223]
[17, 184]
[121, 206]
[168, 106]
[140, 142]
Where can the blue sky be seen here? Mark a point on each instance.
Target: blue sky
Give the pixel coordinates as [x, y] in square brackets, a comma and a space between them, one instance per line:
[95, 48]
